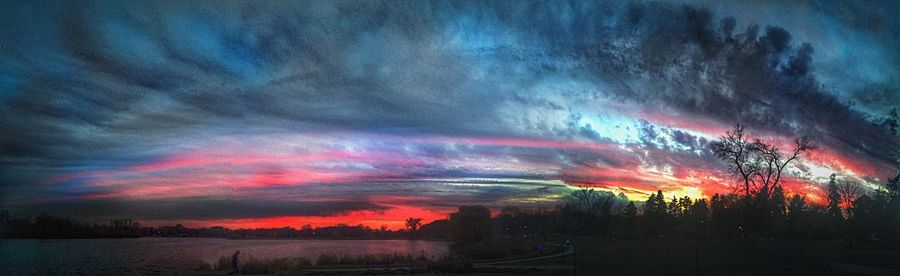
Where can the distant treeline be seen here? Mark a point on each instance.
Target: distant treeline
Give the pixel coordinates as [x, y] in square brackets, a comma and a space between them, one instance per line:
[340, 231]
[51, 227]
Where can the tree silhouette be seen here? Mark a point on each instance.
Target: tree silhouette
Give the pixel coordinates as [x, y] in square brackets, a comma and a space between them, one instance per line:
[757, 164]
[777, 209]
[795, 216]
[630, 216]
[893, 188]
[889, 198]
[630, 210]
[834, 199]
[698, 216]
[864, 213]
[773, 161]
[735, 148]
[413, 224]
[655, 214]
[470, 224]
[586, 197]
[849, 192]
[724, 218]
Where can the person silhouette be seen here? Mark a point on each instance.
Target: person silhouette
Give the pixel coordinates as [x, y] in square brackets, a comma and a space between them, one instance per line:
[235, 262]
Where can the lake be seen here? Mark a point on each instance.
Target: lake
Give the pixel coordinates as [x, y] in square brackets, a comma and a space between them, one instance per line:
[167, 255]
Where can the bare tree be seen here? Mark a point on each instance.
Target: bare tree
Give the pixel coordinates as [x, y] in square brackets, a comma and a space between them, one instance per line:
[737, 149]
[773, 161]
[757, 164]
[586, 197]
[849, 191]
[413, 224]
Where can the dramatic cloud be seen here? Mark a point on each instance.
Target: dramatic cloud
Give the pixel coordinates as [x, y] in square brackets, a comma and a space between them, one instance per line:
[256, 113]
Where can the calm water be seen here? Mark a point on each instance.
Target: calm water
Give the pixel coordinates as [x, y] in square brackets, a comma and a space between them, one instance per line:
[168, 255]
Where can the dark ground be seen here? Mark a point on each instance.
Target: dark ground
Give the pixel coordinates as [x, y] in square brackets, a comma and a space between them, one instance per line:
[597, 256]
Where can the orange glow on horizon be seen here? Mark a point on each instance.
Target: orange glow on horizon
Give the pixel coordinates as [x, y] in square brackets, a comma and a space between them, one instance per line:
[393, 219]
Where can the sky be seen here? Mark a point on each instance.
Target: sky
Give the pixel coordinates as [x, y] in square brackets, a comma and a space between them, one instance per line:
[270, 114]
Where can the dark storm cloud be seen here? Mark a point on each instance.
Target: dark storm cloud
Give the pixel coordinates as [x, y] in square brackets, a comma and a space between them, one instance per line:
[114, 69]
[695, 62]
[99, 85]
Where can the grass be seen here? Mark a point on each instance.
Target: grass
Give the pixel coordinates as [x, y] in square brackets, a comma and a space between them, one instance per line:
[287, 264]
[379, 259]
[293, 265]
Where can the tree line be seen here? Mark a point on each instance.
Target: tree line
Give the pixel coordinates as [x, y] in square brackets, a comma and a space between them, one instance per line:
[54, 227]
[847, 214]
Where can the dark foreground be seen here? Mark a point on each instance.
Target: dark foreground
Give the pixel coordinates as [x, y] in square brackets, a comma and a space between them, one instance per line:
[601, 257]
[592, 256]
[597, 256]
